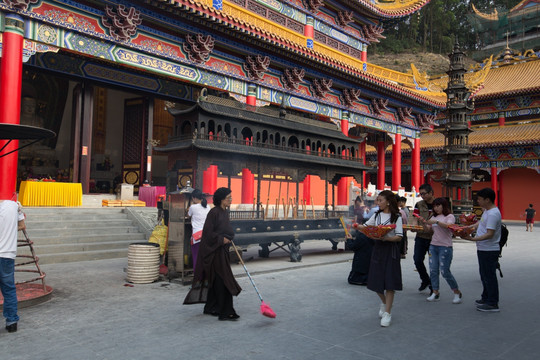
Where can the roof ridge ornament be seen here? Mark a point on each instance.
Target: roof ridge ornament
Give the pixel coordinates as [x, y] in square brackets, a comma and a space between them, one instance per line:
[349, 96]
[320, 87]
[198, 48]
[121, 21]
[379, 105]
[256, 66]
[292, 77]
[19, 4]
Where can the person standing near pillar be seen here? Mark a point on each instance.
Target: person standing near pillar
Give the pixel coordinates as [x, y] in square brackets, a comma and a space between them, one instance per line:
[529, 218]
[11, 220]
[422, 241]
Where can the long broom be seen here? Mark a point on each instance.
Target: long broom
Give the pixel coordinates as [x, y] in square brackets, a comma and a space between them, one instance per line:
[266, 310]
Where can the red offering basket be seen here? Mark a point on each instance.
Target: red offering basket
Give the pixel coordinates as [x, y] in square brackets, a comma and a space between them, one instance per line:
[458, 230]
[378, 231]
[467, 219]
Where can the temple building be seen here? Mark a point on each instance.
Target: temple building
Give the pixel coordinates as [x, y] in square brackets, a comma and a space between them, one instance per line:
[106, 77]
[505, 134]
[517, 28]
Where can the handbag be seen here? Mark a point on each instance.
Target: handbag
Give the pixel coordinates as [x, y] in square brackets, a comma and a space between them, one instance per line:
[196, 237]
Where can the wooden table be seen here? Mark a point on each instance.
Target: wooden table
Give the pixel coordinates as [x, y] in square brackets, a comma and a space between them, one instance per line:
[42, 193]
[149, 194]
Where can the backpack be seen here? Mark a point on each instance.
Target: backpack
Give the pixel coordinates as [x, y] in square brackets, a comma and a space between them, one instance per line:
[502, 242]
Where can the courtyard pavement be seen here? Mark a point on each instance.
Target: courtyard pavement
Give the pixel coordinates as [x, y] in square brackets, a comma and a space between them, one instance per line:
[92, 315]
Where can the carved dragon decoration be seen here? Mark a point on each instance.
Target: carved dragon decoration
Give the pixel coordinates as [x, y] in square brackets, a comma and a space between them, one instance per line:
[477, 78]
[256, 66]
[379, 105]
[349, 96]
[344, 17]
[313, 5]
[292, 77]
[373, 33]
[320, 87]
[121, 22]
[198, 48]
[426, 121]
[404, 113]
[19, 4]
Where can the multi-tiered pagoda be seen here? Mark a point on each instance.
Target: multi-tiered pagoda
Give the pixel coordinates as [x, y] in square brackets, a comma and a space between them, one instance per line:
[457, 177]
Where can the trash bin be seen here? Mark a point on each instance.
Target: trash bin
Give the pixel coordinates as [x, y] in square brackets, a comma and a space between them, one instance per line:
[126, 192]
[143, 263]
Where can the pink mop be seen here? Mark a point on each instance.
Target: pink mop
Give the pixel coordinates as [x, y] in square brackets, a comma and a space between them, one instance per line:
[266, 310]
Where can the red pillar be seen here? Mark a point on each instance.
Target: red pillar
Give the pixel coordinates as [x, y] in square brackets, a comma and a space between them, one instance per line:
[396, 163]
[381, 169]
[307, 183]
[10, 99]
[363, 53]
[343, 182]
[494, 183]
[502, 120]
[307, 189]
[251, 98]
[309, 32]
[458, 193]
[210, 179]
[247, 186]
[415, 168]
[499, 195]
[362, 151]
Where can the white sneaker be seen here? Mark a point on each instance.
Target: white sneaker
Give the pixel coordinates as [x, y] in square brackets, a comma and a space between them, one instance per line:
[457, 298]
[386, 319]
[433, 297]
[382, 309]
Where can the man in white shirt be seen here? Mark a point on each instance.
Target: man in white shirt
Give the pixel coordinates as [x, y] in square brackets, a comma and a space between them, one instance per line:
[488, 235]
[11, 221]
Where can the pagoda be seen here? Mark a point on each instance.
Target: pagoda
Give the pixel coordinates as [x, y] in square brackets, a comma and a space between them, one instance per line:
[457, 177]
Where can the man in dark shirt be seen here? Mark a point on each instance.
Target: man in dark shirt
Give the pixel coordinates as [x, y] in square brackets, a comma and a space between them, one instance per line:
[423, 208]
[529, 218]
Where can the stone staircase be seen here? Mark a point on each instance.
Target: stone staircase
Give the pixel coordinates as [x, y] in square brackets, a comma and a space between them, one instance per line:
[80, 234]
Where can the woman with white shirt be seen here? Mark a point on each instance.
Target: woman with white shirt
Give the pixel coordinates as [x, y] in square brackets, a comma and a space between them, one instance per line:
[198, 211]
[440, 249]
[385, 268]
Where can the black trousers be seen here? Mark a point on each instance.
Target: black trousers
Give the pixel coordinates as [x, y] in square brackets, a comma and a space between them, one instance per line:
[421, 248]
[219, 299]
[487, 264]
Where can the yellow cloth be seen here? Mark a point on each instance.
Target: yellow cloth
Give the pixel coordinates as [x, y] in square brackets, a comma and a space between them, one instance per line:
[41, 193]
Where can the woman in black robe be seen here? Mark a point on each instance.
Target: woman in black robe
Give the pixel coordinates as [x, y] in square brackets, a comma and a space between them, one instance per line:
[362, 247]
[214, 283]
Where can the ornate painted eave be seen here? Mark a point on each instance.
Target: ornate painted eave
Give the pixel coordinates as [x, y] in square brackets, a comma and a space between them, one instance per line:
[390, 8]
[494, 16]
[380, 77]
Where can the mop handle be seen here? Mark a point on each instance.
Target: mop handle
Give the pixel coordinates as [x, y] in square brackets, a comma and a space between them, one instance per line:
[246, 270]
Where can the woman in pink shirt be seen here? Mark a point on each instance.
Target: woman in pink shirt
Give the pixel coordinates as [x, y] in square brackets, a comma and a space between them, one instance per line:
[440, 249]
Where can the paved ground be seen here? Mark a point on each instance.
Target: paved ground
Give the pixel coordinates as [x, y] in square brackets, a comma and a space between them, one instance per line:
[92, 315]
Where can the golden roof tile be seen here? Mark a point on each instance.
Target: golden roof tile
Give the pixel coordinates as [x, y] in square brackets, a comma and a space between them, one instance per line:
[513, 79]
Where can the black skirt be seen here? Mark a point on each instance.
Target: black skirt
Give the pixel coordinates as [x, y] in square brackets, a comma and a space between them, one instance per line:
[385, 267]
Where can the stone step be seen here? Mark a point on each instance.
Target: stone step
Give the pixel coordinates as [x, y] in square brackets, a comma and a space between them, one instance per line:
[66, 232]
[75, 247]
[81, 234]
[53, 223]
[84, 238]
[81, 256]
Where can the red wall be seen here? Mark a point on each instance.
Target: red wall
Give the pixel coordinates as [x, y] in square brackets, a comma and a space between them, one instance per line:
[517, 189]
